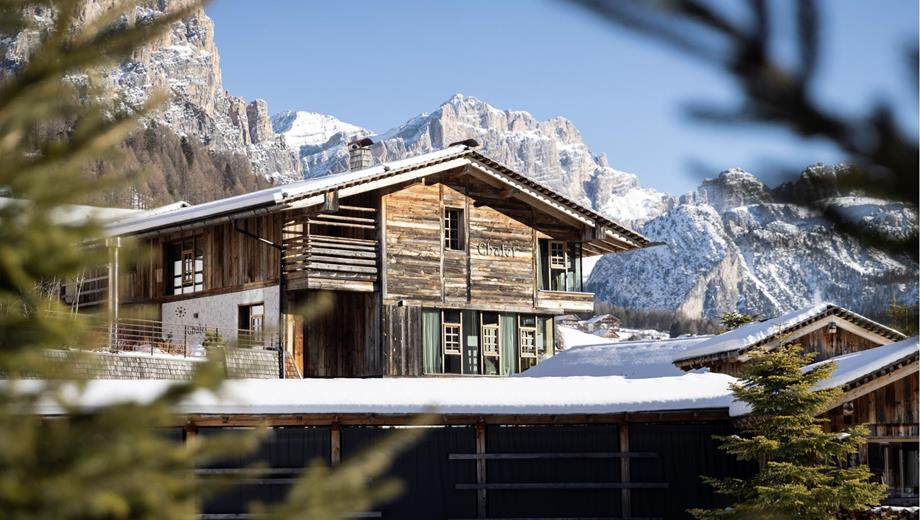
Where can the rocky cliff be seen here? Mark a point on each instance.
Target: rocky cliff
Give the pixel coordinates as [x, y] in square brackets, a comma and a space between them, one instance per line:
[185, 63]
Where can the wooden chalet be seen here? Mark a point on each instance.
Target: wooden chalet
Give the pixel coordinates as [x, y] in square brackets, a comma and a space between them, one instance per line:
[824, 329]
[445, 263]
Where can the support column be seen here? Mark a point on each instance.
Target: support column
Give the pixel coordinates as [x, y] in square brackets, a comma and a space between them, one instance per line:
[625, 492]
[481, 502]
[335, 445]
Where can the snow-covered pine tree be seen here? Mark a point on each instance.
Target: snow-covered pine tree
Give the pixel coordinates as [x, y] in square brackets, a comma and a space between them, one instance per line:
[733, 320]
[804, 472]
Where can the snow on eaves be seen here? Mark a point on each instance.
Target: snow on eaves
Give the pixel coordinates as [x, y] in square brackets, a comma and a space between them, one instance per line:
[589, 355]
[752, 333]
[851, 367]
[445, 395]
[270, 196]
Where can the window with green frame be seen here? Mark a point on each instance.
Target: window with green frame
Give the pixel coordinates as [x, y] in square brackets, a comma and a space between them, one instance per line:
[559, 265]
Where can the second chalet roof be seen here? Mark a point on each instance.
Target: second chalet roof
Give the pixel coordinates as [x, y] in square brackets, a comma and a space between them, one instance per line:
[300, 192]
[857, 368]
[762, 332]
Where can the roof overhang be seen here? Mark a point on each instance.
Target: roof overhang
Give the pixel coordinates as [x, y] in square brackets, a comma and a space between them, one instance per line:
[845, 319]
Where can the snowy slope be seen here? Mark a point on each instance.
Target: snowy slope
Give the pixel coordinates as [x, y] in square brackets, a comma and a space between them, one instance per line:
[731, 245]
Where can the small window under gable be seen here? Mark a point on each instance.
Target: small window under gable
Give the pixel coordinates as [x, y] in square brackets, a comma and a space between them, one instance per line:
[453, 229]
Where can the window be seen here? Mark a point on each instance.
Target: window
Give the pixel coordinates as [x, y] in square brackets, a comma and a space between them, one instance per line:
[451, 346]
[251, 323]
[527, 341]
[185, 260]
[453, 228]
[896, 464]
[557, 255]
[560, 265]
[491, 343]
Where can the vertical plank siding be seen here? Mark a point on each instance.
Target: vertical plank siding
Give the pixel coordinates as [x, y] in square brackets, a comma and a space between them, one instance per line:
[232, 260]
[890, 412]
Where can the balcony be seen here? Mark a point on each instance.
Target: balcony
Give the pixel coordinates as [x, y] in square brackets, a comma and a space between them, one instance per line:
[332, 251]
[565, 301]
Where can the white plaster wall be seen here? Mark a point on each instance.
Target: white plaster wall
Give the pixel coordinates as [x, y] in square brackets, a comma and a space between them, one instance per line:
[219, 311]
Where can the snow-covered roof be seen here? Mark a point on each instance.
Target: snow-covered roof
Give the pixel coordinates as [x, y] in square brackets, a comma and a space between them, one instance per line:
[284, 195]
[857, 365]
[589, 355]
[853, 367]
[445, 395]
[75, 214]
[761, 332]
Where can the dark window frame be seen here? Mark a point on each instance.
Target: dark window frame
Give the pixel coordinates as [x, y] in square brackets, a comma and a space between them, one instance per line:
[453, 229]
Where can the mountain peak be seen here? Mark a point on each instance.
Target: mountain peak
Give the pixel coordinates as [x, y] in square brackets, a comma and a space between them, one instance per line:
[732, 188]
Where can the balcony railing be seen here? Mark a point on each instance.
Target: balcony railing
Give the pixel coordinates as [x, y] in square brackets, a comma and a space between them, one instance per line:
[567, 301]
[177, 339]
[332, 250]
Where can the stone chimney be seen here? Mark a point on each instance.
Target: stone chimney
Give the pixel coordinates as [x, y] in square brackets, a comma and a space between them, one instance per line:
[359, 154]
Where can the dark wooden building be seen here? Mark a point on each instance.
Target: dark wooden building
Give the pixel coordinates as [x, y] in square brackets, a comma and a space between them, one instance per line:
[826, 330]
[445, 263]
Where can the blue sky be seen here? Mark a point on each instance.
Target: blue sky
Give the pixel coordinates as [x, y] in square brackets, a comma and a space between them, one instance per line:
[376, 64]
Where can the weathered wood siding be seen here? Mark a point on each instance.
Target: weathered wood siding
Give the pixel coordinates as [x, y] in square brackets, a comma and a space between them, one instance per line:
[342, 340]
[890, 411]
[402, 340]
[232, 261]
[494, 221]
[413, 244]
[826, 345]
[420, 270]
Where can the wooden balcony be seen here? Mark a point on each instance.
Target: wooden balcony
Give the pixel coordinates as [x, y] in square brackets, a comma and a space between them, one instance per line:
[565, 301]
[332, 251]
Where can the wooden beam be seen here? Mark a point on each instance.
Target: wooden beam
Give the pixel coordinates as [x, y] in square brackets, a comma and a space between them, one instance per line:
[535, 456]
[563, 485]
[874, 385]
[481, 480]
[625, 493]
[335, 445]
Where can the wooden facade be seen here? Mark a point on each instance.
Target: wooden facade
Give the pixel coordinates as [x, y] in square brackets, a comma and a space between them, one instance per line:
[364, 267]
[828, 335]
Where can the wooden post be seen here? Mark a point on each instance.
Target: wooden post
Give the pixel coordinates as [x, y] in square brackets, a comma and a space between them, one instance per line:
[191, 434]
[481, 503]
[625, 497]
[335, 441]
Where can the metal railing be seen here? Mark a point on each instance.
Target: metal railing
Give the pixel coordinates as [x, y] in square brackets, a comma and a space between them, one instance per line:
[185, 339]
[177, 339]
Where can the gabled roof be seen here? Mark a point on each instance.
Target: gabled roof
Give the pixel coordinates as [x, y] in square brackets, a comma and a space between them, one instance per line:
[857, 369]
[737, 341]
[310, 192]
[641, 359]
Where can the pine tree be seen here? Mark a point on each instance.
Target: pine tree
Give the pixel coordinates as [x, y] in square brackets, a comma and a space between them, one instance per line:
[803, 471]
[733, 320]
[110, 462]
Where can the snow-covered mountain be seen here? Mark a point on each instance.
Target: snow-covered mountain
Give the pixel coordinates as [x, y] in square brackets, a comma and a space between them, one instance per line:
[185, 63]
[730, 245]
[550, 151]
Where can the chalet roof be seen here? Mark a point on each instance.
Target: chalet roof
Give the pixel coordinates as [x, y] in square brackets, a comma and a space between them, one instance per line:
[445, 395]
[75, 214]
[310, 192]
[858, 368]
[746, 337]
[595, 356]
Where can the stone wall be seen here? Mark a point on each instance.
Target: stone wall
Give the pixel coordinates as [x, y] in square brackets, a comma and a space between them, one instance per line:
[239, 363]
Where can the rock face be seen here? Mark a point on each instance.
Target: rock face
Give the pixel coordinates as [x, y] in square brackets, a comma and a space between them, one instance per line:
[550, 151]
[731, 246]
[185, 63]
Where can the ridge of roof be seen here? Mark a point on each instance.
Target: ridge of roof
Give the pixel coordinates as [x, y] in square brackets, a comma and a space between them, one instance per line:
[760, 332]
[290, 193]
